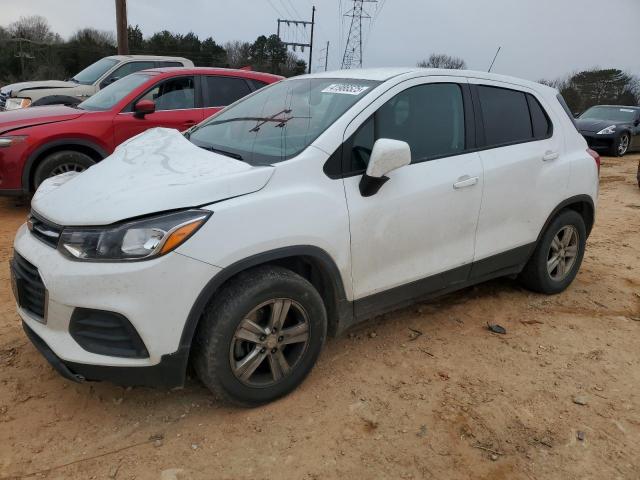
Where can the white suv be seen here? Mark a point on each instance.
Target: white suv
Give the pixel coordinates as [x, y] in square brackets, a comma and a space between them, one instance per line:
[308, 206]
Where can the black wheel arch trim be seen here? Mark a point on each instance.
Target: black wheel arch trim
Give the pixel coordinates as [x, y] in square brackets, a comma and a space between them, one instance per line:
[566, 203]
[343, 308]
[29, 167]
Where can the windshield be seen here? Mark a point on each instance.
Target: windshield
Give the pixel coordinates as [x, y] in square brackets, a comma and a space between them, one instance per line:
[93, 72]
[614, 114]
[109, 96]
[279, 121]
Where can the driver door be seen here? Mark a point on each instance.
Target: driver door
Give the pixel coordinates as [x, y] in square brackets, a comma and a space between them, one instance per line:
[175, 100]
[416, 235]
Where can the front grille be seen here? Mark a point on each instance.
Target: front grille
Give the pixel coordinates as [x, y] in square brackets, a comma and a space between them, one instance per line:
[3, 99]
[30, 292]
[106, 333]
[44, 230]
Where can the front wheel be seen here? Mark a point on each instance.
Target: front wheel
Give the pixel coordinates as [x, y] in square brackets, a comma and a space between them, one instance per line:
[61, 162]
[621, 145]
[557, 258]
[260, 336]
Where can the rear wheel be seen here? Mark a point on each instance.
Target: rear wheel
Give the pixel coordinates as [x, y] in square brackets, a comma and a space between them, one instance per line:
[558, 255]
[61, 162]
[260, 336]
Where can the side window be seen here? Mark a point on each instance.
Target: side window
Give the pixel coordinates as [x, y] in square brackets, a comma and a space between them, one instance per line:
[430, 118]
[125, 70]
[173, 94]
[542, 127]
[168, 64]
[505, 114]
[256, 84]
[223, 91]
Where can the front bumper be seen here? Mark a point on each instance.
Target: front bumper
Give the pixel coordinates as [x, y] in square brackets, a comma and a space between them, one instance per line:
[169, 373]
[599, 142]
[155, 296]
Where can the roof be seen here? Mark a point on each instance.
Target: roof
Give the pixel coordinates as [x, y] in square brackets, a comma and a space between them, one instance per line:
[383, 74]
[146, 57]
[216, 71]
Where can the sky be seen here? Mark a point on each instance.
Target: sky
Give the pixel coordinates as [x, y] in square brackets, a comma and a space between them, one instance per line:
[539, 38]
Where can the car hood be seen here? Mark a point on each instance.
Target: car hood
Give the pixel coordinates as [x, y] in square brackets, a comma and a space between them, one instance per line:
[29, 117]
[591, 125]
[157, 171]
[17, 88]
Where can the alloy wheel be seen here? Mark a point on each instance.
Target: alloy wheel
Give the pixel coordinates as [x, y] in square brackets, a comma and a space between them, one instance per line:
[269, 342]
[66, 167]
[563, 253]
[623, 146]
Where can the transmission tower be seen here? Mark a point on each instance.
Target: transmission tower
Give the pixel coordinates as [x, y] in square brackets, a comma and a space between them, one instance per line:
[353, 49]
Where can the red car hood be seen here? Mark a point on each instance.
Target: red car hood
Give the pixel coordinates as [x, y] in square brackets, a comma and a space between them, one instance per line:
[29, 117]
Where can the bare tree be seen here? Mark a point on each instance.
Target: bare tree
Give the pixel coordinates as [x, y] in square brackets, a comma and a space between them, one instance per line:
[34, 28]
[441, 60]
[237, 53]
[100, 37]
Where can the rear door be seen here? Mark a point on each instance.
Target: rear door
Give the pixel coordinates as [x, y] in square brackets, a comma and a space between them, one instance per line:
[417, 232]
[526, 173]
[218, 92]
[176, 107]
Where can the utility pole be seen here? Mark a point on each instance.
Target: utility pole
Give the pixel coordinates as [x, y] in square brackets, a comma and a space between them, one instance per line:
[304, 23]
[326, 57]
[313, 21]
[122, 27]
[353, 48]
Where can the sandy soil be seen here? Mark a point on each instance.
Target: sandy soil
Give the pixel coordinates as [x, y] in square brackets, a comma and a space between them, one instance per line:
[425, 392]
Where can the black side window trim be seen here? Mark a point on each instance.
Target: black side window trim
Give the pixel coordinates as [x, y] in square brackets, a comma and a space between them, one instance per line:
[339, 163]
[482, 141]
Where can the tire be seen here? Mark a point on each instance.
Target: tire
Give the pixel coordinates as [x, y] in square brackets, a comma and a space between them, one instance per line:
[620, 146]
[219, 353]
[535, 275]
[61, 162]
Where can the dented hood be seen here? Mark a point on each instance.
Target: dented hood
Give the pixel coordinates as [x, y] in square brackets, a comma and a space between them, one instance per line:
[156, 171]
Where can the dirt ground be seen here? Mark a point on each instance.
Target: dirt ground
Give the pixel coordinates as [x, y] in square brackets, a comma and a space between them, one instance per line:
[425, 392]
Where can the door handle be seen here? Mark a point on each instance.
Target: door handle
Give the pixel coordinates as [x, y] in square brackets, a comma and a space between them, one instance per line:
[549, 156]
[465, 181]
[190, 123]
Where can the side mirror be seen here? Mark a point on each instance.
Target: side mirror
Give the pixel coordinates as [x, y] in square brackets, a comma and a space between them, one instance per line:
[144, 107]
[387, 155]
[636, 122]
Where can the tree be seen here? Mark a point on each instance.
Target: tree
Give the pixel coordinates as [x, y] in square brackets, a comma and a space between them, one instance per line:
[238, 53]
[293, 66]
[136, 40]
[585, 89]
[268, 54]
[94, 36]
[215, 55]
[441, 60]
[34, 28]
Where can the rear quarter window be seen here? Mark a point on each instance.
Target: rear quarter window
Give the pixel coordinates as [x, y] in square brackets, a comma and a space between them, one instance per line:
[505, 114]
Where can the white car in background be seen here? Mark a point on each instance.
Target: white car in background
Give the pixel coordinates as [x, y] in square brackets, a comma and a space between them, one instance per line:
[300, 210]
[81, 86]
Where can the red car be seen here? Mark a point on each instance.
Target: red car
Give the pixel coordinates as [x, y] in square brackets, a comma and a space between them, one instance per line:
[39, 142]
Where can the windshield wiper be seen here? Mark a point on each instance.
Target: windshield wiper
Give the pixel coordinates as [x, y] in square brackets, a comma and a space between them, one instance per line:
[237, 156]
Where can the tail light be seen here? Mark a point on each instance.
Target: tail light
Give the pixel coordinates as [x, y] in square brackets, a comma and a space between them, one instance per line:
[596, 157]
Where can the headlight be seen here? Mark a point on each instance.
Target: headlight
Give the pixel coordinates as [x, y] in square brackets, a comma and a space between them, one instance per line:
[134, 240]
[607, 131]
[9, 140]
[15, 103]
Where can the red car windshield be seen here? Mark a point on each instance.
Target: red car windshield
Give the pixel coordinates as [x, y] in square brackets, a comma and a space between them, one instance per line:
[109, 96]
